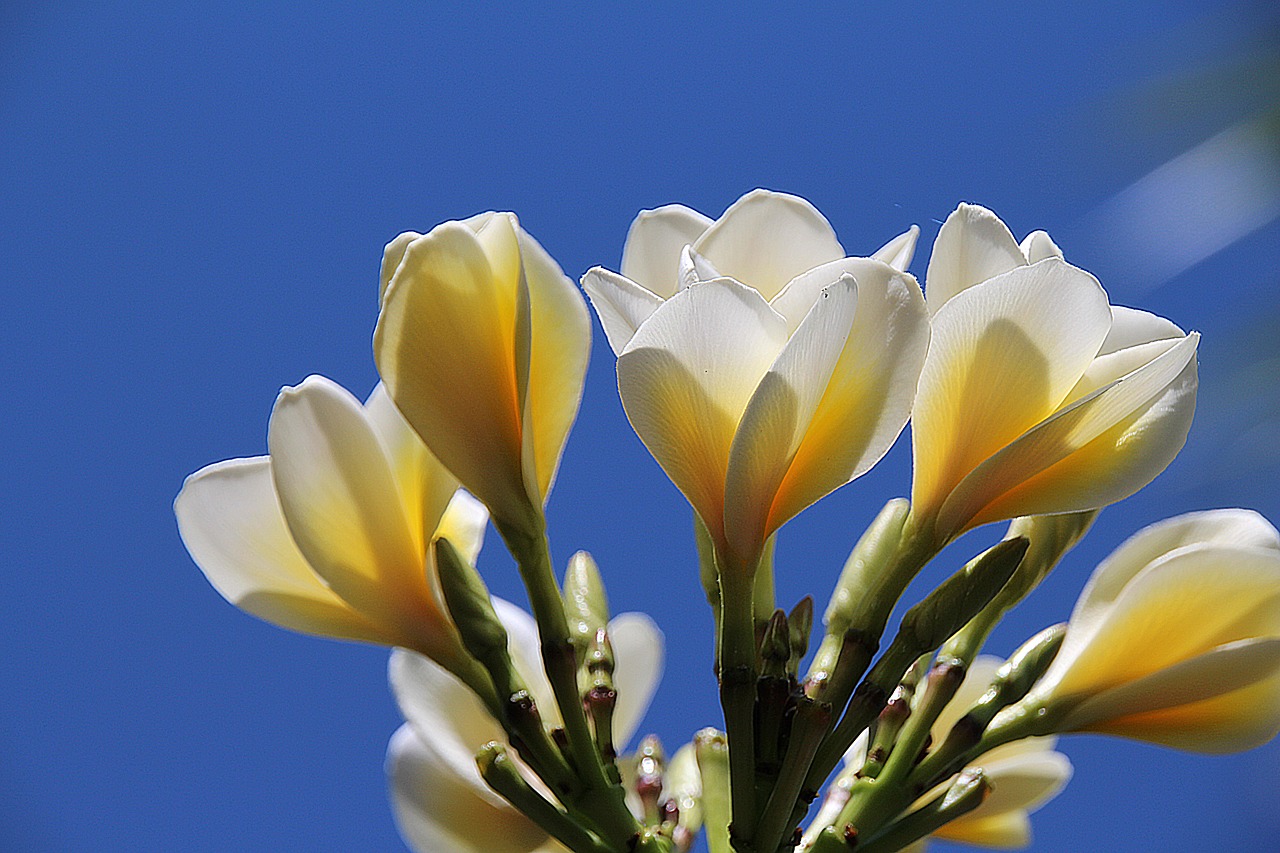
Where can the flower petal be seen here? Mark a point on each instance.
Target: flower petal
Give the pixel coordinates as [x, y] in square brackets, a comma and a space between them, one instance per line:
[1007, 831]
[426, 486]
[1100, 450]
[1163, 617]
[1239, 527]
[1000, 360]
[685, 380]
[1226, 700]
[436, 809]
[342, 507]
[651, 254]
[973, 245]
[448, 323]
[230, 521]
[638, 658]
[1130, 327]
[766, 238]
[463, 524]
[778, 415]
[1023, 782]
[869, 396]
[620, 303]
[1038, 246]
[558, 356]
[899, 251]
[525, 648]
[392, 255]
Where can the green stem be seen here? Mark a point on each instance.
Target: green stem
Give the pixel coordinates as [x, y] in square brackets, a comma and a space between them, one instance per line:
[605, 802]
[737, 698]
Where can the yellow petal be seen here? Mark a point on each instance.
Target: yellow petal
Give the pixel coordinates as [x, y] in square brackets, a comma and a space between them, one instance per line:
[778, 415]
[392, 255]
[342, 507]
[230, 521]
[559, 350]
[1006, 831]
[1002, 357]
[685, 380]
[426, 486]
[446, 348]
[1183, 605]
[1100, 450]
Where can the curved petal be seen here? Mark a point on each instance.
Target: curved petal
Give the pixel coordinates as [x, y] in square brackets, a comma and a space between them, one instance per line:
[1160, 619]
[463, 524]
[230, 521]
[973, 245]
[1023, 782]
[869, 397]
[638, 658]
[651, 254]
[685, 380]
[444, 713]
[899, 251]
[342, 507]
[436, 809]
[392, 255]
[766, 238]
[1037, 246]
[1238, 527]
[1100, 450]
[1226, 700]
[1000, 361]
[620, 303]
[448, 323]
[778, 415]
[1130, 327]
[1007, 831]
[560, 348]
[426, 486]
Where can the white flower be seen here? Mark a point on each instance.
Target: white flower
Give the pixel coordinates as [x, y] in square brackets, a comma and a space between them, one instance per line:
[440, 801]
[766, 369]
[1037, 396]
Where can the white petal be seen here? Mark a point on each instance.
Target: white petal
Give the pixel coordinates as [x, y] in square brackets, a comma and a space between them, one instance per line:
[342, 507]
[463, 524]
[620, 303]
[652, 252]
[638, 658]
[525, 648]
[899, 251]
[1130, 327]
[685, 380]
[1000, 361]
[1037, 246]
[1241, 527]
[1023, 782]
[392, 255]
[230, 521]
[766, 238]
[972, 246]
[1099, 450]
[437, 809]
[694, 268]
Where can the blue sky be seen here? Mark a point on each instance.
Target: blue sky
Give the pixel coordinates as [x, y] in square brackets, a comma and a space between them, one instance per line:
[194, 201]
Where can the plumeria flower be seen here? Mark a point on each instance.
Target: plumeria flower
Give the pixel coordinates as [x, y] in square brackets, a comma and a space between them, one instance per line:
[772, 369]
[439, 798]
[330, 533]
[1037, 396]
[1024, 775]
[483, 343]
[763, 240]
[1175, 639]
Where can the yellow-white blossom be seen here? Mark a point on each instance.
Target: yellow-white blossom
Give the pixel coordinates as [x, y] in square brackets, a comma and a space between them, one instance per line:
[330, 534]
[1175, 639]
[482, 343]
[1037, 396]
[440, 800]
[767, 369]
[1024, 775]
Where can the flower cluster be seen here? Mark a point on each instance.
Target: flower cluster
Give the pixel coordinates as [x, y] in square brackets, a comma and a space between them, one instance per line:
[763, 368]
